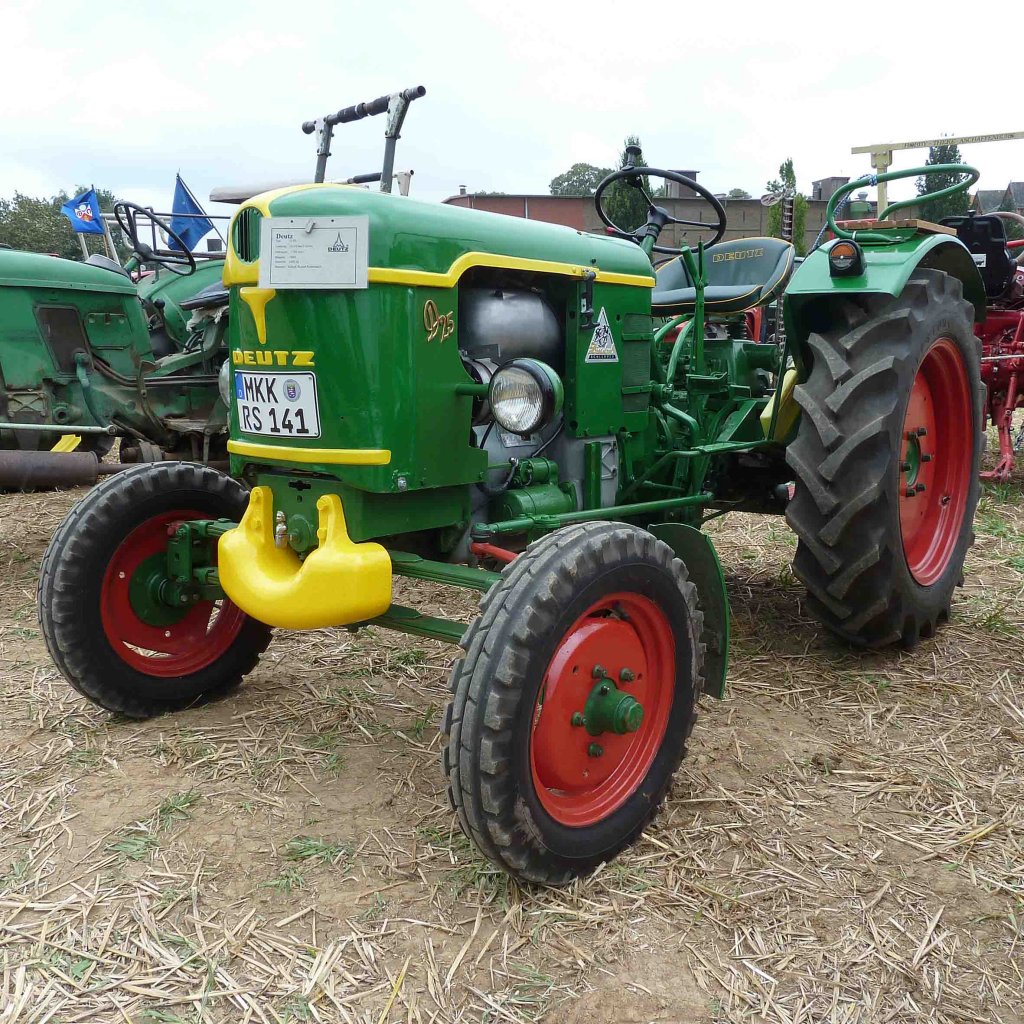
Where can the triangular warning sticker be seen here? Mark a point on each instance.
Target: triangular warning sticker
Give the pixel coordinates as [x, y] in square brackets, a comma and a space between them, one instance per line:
[602, 344]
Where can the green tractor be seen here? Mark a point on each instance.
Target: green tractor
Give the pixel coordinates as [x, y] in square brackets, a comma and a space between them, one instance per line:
[91, 351]
[441, 394]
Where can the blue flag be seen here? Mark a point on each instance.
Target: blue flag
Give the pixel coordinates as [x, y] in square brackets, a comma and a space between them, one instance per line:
[84, 213]
[189, 229]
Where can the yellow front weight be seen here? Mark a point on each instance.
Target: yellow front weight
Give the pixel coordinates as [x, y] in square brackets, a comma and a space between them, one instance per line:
[339, 583]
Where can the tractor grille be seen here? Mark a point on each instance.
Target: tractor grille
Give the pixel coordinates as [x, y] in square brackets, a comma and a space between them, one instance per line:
[636, 359]
[246, 234]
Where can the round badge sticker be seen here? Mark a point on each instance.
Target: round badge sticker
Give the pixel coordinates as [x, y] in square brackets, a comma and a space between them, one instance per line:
[291, 390]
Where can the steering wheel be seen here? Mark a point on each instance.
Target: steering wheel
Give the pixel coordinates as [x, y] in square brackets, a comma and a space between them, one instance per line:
[657, 216]
[177, 262]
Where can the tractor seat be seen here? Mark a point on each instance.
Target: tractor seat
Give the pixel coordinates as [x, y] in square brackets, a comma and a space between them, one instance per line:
[212, 295]
[986, 238]
[741, 274]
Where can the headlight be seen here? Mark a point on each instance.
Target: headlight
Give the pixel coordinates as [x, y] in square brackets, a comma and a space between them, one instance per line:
[224, 382]
[525, 394]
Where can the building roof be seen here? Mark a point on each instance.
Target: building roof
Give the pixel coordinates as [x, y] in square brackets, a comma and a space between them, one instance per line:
[988, 199]
[1016, 190]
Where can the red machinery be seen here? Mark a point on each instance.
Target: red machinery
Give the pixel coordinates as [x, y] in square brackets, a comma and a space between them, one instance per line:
[1001, 264]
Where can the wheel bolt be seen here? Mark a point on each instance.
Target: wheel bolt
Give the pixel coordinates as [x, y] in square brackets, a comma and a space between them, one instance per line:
[905, 467]
[599, 672]
[595, 750]
[922, 432]
[909, 492]
[603, 691]
[626, 676]
[919, 488]
[577, 718]
[925, 457]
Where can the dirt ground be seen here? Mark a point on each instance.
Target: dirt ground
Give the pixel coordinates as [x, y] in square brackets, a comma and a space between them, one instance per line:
[844, 844]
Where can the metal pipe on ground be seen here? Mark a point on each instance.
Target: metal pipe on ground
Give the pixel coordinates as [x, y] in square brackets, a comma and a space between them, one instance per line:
[30, 471]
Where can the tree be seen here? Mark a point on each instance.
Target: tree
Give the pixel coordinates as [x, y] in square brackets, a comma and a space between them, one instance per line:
[948, 206]
[1014, 229]
[37, 225]
[623, 202]
[785, 185]
[737, 193]
[579, 180]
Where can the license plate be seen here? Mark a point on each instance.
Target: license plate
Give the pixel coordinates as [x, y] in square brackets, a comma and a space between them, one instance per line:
[278, 404]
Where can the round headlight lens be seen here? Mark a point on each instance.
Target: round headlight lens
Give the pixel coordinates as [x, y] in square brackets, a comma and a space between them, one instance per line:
[224, 382]
[525, 395]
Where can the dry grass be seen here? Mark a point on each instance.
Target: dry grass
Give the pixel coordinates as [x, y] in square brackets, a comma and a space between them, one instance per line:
[844, 843]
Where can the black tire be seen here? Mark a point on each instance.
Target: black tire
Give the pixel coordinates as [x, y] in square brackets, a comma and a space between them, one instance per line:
[489, 722]
[847, 460]
[70, 583]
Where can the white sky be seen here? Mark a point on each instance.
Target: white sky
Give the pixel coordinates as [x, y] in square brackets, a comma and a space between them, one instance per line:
[124, 94]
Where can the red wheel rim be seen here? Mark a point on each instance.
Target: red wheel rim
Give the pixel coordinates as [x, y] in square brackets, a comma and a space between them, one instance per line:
[935, 462]
[196, 640]
[621, 631]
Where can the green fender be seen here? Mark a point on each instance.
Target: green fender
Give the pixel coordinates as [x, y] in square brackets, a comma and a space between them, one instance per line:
[698, 554]
[887, 268]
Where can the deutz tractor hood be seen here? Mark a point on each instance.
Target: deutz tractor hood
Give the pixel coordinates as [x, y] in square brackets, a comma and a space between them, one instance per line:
[434, 239]
[35, 270]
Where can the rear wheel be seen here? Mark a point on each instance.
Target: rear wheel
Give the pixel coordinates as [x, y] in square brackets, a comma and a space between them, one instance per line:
[103, 607]
[886, 461]
[571, 710]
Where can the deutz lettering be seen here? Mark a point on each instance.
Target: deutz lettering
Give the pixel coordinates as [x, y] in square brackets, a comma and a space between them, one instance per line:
[273, 357]
[741, 254]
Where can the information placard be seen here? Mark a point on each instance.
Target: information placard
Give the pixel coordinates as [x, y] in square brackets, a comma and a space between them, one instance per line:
[314, 252]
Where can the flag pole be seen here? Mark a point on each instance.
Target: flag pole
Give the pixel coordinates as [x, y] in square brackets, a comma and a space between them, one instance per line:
[81, 242]
[108, 241]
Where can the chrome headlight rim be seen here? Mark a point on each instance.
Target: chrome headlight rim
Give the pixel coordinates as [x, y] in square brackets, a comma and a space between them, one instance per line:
[224, 382]
[546, 399]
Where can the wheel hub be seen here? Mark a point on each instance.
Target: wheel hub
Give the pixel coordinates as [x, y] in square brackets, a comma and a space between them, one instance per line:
[143, 616]
[935, 461]
[602, 709]
[609, 709]
[151, 593]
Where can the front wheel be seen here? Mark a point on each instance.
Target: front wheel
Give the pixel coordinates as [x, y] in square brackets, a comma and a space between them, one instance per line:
[102, 609]
[571, 710]
[886, 461]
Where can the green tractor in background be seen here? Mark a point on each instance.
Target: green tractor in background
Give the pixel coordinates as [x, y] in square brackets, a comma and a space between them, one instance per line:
[436, 393]
[88, 353]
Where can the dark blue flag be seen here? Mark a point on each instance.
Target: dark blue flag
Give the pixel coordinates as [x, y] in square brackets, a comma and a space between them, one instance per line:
[189, 229]
[84, 213]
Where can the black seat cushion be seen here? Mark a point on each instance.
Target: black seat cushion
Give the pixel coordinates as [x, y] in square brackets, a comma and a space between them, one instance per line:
[986, 238]
[741, 274]
[212, 295]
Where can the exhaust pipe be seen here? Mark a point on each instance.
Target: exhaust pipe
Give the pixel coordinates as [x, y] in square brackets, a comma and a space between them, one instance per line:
[31, 471]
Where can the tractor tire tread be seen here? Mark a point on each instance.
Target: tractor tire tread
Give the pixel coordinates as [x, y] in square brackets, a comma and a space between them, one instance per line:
[848, 556]
[59, 603]
[512, 613]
